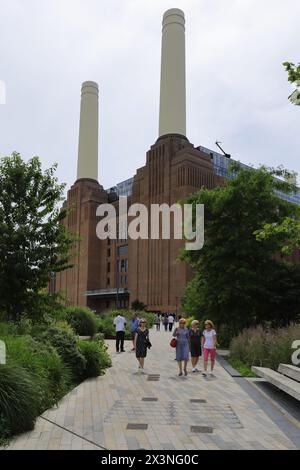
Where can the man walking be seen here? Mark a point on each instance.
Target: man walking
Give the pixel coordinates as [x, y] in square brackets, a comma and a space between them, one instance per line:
[170, 321]
[120, 323]
[134, 324]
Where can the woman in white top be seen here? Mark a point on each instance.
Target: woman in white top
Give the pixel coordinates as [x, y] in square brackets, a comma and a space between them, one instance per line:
[209, 342]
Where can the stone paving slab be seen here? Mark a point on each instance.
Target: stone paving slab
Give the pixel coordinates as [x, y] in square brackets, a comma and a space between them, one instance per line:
[95, 414]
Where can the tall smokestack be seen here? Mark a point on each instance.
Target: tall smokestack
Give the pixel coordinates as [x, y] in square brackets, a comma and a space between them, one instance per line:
[87, 166]
[172, 113]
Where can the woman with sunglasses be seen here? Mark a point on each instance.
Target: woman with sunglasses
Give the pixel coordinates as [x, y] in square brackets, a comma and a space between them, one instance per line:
[141, 342]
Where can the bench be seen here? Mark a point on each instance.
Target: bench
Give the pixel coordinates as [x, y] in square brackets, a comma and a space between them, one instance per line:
[283, 382]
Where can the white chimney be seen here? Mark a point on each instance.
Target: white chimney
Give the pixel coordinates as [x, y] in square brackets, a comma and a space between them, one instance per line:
[172, 113]
[87, 166]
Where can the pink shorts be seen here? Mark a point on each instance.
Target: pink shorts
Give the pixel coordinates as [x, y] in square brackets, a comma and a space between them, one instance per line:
[207, 352]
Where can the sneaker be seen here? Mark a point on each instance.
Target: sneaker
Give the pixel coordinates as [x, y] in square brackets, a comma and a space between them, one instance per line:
[194, 370]
[180, 374]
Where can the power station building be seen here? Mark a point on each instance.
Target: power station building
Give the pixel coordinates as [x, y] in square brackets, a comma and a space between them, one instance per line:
[109, 273]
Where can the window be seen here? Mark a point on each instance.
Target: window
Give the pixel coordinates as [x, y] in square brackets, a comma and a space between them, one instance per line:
[108, 253]
[108, 281]
[123, 250]
[123, 265]
[108, 267]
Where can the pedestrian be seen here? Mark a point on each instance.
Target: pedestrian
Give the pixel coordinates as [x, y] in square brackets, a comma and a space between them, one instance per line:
[141, 343]
[195, 344]
[166, 322]
[209, 342]
[182, 346]
[134, 324]
[170, 321]
[157, 322]
[120, 323]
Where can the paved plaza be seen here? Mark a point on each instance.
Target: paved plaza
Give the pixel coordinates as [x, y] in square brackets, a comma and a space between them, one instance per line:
[125, 409]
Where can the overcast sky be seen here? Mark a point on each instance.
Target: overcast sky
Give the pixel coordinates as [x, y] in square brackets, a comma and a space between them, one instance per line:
[237, 88]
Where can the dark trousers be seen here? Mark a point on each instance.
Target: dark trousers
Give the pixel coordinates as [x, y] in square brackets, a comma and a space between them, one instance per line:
[120, 336]
[170, 326]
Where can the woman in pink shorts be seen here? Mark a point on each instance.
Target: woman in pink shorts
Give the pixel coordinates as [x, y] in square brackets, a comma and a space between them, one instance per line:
[209, 341]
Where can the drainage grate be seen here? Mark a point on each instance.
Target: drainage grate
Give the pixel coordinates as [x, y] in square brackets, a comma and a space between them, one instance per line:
[153, 377]
[202, 429]
[197, 400]
[149, 399]
[137, 426]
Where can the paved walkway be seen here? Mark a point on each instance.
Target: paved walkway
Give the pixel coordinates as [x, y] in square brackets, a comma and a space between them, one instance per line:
[189, 413]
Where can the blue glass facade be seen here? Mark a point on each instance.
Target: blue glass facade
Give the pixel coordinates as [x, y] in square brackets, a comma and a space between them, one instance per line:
[221, 164]
[122, 189]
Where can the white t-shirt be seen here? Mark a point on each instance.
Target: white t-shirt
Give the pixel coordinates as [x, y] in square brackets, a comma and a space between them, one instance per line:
[171, 319]
[209, 339]
[120, 323]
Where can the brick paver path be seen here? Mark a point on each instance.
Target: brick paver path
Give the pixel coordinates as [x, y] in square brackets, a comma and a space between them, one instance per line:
[189, 413]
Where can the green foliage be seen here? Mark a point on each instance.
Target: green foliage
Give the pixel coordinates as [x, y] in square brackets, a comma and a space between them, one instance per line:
[20, 401]
[293, 77]
[189, 321]
[82, 320]
[33, 242]
[288, 230]
[264, 347]
[239, 280]
[242, 368]
[293, 71]
[97, 359]
[50, 375]
[65, 344]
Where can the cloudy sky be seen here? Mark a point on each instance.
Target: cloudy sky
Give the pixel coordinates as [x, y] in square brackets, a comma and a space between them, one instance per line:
[237, 88]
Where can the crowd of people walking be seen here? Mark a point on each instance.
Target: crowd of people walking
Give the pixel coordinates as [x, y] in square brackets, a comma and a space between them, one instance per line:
[188, 342]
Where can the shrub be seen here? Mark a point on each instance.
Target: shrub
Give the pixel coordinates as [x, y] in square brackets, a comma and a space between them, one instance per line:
[96, 357]
[137, 305]
[106, 326]
[49, 373]
[65, 344]
[20, 402]
[264, 347]
[189, 321]
[82, 320]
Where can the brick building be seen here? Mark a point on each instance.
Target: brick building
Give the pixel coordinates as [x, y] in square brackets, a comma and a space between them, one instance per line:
[109, 273]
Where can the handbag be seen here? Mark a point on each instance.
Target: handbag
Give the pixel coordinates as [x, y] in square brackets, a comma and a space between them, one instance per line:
[148, 344]
[173, 342]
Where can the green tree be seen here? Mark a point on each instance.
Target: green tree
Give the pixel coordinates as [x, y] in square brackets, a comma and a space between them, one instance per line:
[137, 305]
[294, 77]
[34, 243]
[240, 280]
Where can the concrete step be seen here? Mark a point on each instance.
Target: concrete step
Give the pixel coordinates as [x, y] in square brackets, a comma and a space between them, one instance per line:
[280, 381]
[290, 371]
